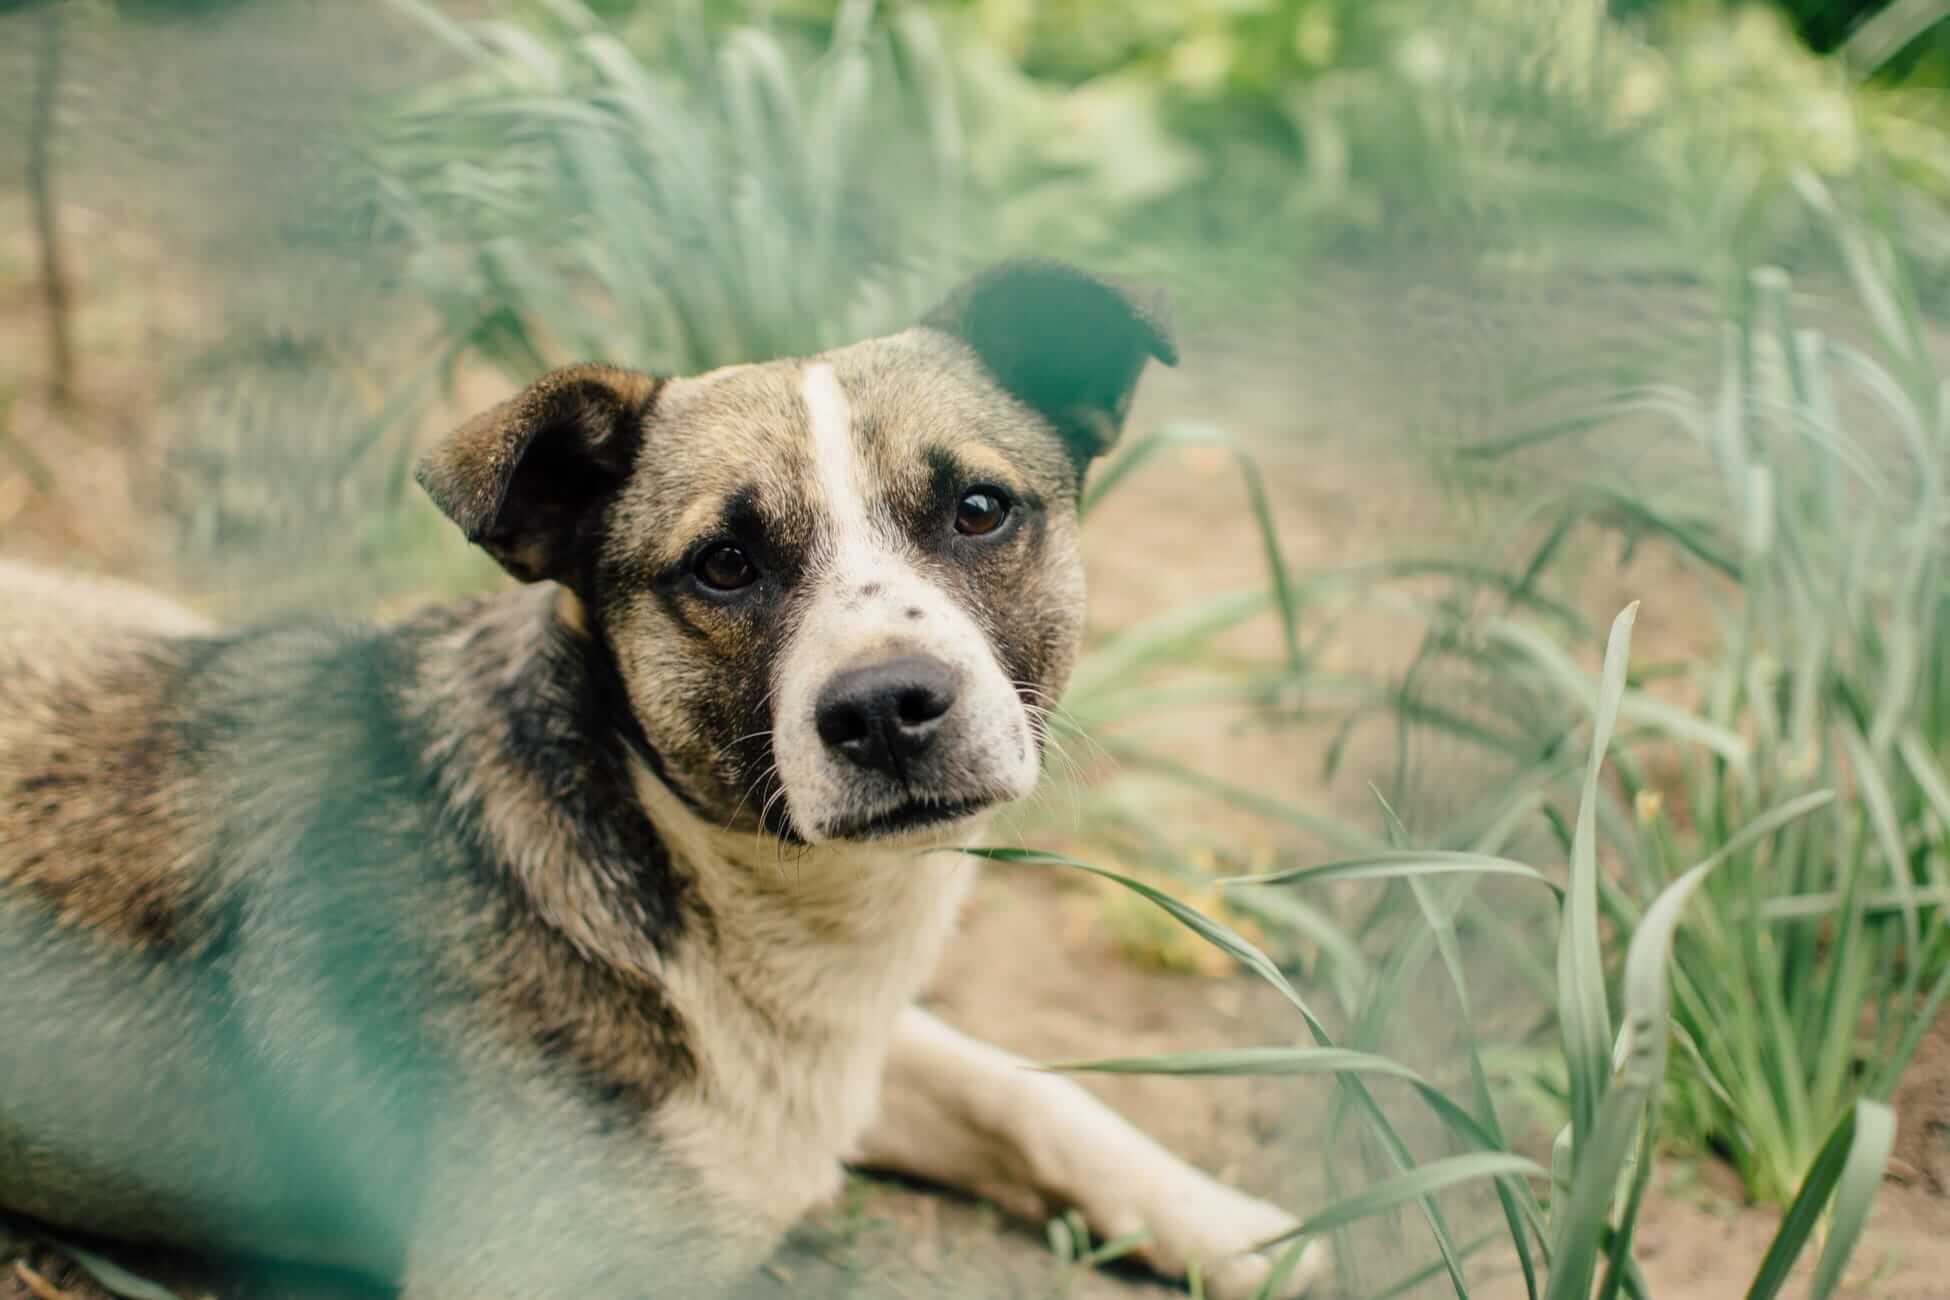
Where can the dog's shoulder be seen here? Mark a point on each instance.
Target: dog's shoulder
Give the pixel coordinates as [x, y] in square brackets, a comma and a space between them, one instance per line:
[96, 792]
[140, 742]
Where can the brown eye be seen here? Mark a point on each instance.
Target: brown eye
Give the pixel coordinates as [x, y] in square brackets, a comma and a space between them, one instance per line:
[980, 512]
[726, 568]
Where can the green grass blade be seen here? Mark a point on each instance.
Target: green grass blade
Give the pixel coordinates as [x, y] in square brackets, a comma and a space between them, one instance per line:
[1881, 807]
[1881, 36]
[1635, 706]
[1848, 1172]
[1429, 1272]
[1889, 1071]
[1329, 830]
[1281, 1062]
[1401, 866]
[1417, 1184]
[1802, 907]
[1275, 1284]
[1618, 1250]
[1116, 1248]
[1600, 1162]
[1255, 1062]
[1219, 936]
[1928, 775]
[1165, 639]
[1440, 915]
[1596, 1164]
[1583, 1015]
[1551, 431]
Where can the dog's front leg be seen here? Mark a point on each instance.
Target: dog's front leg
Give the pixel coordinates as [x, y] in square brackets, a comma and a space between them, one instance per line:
[962, 1113]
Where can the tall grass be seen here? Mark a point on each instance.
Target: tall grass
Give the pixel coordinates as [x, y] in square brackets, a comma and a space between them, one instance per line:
[567, 196]
[1803, 493]
[1570, 1228]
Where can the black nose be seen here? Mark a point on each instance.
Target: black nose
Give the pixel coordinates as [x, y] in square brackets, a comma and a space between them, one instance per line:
[884, 716]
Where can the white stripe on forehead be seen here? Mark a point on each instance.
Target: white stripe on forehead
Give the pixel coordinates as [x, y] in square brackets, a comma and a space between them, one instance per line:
[835, 459]
[865, 601]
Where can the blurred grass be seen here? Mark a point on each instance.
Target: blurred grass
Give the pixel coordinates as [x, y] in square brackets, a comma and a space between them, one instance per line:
[1542, 134]
[565, 198]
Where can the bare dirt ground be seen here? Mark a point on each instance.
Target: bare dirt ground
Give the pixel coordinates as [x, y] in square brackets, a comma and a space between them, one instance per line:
[1332, 398]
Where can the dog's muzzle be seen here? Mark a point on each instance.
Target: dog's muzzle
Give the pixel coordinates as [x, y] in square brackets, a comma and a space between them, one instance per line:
[903, 738]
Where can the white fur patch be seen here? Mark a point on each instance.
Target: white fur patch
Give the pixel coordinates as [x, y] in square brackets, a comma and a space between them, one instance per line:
[829, 943]
[866, 601]
[837, 460]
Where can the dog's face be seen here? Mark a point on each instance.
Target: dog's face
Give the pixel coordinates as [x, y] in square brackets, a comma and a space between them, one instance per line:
[839, 592]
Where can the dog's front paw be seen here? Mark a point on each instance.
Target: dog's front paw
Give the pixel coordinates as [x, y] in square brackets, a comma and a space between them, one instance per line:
[1080, 1153]
[1192, 1219]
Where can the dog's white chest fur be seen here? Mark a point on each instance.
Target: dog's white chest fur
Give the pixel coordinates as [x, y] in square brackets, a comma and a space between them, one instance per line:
[790, 1003]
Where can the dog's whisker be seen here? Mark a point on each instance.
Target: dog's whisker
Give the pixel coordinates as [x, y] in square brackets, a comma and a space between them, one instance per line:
[765, 812]
[1043, 721]
[742, 798]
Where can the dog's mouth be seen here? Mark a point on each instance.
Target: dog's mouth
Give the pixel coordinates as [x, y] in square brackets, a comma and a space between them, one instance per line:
[913, 815]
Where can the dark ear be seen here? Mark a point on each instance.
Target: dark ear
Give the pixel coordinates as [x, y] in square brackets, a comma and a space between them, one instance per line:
[1067, 344]
[526, 481]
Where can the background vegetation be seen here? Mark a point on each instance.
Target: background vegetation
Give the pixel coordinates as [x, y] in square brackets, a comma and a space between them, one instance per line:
[680, 186]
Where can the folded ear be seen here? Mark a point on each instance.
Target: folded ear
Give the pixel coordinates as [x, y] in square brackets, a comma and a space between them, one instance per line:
[1066, 343]
[526, 481]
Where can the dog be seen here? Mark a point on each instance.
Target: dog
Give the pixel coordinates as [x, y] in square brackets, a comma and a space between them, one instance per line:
[566, 942]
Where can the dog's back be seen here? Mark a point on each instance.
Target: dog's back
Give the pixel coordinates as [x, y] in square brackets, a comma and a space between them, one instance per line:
[88, 755]
[114, 941]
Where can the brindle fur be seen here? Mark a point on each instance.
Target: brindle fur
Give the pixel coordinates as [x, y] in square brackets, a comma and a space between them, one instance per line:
[483, 952]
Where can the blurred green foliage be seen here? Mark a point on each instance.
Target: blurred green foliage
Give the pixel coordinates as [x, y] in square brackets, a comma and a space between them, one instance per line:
[1526, 129]
[575, 195]
[1207, 140]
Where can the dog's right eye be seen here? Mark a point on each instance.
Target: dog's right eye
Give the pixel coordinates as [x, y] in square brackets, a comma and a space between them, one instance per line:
[725, 568]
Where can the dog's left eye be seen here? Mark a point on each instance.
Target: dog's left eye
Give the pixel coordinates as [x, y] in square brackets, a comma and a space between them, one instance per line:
[981, 511]
[726, 568]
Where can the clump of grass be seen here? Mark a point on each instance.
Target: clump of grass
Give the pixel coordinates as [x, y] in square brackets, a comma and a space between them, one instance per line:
[1570, 1228]
[567, 196]
[1805, 491]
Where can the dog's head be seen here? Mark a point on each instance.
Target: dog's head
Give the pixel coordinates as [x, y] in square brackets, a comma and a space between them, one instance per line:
[839, 592]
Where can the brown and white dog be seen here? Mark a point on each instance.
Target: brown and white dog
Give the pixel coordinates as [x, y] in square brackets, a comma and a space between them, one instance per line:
[565, 943]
